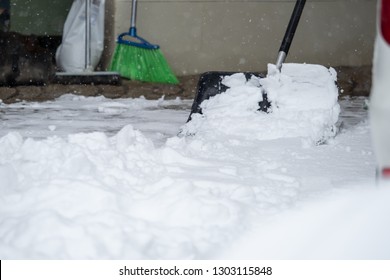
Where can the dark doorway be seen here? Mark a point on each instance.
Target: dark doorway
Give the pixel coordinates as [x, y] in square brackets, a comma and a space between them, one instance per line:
[30, 32]
[4, 15]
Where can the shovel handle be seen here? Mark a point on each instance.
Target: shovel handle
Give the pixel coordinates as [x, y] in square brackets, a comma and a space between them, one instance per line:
[290, 32]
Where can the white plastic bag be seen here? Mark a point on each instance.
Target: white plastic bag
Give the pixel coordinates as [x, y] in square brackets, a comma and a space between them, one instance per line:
[70, 55]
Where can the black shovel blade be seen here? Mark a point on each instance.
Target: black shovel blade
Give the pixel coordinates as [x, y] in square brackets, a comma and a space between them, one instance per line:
[210, 84]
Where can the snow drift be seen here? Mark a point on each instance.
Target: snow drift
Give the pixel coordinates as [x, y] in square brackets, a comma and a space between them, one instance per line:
[131, 189]
[303, 104]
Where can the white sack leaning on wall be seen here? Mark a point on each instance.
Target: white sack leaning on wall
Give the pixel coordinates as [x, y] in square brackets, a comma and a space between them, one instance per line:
[70, 55]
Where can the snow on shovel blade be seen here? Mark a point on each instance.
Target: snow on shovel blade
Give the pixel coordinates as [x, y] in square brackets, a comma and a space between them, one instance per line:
[210, 84]
[303, 101]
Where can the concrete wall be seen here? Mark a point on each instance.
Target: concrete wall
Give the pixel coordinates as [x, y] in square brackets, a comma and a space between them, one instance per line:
[239, 35]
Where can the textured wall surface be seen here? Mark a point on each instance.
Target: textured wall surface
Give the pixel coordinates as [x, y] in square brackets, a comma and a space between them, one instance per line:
[231, 35]
[201, 35]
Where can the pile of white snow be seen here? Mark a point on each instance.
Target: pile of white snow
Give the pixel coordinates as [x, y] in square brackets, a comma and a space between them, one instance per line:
[303, 104]
[94, 178]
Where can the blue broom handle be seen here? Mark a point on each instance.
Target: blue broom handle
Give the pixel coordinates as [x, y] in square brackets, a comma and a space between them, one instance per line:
[140, 42]
[133, 14]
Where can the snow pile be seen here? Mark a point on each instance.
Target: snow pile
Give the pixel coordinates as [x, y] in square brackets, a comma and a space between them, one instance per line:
[93, 196]
[138, 191]
[303, 104]
[353, 220]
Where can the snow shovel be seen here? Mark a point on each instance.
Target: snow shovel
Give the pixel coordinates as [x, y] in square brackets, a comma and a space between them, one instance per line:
[210, 83]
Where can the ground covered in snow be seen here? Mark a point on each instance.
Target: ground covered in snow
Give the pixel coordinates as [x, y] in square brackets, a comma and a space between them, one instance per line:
[95, 178]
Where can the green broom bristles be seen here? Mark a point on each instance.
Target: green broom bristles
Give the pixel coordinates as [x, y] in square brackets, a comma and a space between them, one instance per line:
[137, 63]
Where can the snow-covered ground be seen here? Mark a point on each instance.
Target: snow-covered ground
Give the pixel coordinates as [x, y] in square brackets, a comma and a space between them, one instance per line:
[94, 178]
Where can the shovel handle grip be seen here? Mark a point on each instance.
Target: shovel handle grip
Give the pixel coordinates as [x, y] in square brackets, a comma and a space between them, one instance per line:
[292, 26]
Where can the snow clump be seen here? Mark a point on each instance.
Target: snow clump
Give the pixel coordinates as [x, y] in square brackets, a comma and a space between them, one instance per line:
[304, 104]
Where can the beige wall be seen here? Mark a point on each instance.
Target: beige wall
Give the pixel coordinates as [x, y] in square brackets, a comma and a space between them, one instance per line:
[238, 35]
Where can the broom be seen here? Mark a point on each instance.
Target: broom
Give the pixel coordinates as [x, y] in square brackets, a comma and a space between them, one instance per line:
[137, 59]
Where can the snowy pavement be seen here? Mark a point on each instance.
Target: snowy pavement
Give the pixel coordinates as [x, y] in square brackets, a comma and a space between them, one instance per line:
[96, 178]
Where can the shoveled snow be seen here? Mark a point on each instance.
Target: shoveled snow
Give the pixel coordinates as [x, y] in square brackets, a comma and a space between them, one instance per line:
[94, 178]
[303, 104]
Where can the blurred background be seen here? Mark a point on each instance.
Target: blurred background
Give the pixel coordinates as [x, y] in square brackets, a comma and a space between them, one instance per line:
[233, 35]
